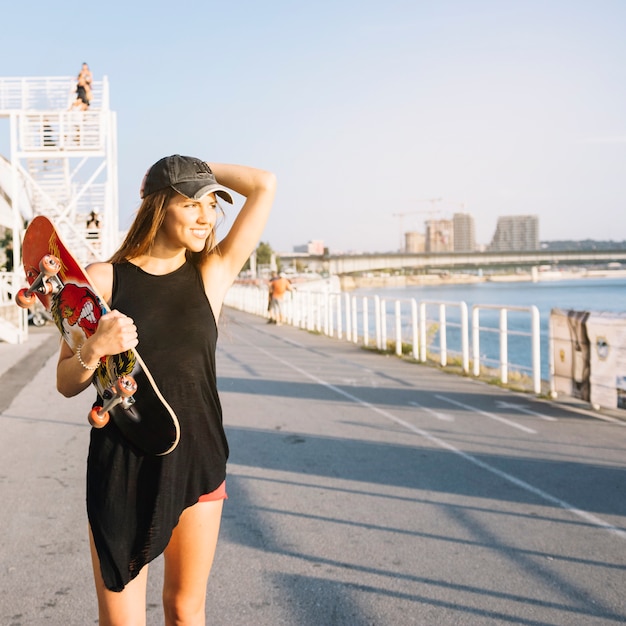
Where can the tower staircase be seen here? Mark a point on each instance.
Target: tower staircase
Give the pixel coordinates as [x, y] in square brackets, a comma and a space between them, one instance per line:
[59, 162]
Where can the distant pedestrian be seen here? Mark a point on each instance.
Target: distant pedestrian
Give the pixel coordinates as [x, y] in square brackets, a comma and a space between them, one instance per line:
[48, 134]
[49, 140]
[278, 287]
[93, 220]
[83, 88]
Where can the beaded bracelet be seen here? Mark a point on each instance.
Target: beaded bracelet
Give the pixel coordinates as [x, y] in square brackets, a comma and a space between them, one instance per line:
[91, 368]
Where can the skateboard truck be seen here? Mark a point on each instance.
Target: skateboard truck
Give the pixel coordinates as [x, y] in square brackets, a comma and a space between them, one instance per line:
[46, 282]
[121, 392]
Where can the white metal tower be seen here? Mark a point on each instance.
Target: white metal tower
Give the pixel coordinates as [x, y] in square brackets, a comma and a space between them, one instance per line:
[60, 162]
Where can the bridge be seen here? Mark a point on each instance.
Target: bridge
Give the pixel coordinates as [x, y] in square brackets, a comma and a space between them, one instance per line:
[444, 261]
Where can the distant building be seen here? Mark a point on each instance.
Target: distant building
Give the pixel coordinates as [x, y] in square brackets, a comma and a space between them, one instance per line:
[464, 232]
[414, 242]
[314, 248]
[439, 236]
[515, 233]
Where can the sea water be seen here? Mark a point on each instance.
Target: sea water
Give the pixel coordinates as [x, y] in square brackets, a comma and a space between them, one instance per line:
[584, 294]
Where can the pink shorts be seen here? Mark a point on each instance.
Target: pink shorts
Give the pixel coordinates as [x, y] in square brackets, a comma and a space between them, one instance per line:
[218, 494]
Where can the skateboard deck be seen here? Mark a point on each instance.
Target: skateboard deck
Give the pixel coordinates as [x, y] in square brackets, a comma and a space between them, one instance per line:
[130, 394]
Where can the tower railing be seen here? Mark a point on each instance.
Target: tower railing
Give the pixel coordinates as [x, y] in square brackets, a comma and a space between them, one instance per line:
[47, 92]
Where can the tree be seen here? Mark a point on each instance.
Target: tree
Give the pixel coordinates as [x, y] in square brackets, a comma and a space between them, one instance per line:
[264, 254]
[6, 246]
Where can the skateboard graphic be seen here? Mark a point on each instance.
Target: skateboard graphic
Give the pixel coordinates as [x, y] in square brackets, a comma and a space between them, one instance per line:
[130, 395]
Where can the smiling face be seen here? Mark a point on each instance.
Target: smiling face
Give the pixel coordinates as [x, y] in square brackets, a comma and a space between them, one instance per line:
[188, 223]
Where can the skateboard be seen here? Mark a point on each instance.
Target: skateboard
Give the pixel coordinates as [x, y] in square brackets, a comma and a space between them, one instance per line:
[130, 395]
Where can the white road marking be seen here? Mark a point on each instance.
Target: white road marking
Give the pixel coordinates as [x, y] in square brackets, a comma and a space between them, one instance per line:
[522, 409]
[444, 417]
[492, 416]
[588, 517]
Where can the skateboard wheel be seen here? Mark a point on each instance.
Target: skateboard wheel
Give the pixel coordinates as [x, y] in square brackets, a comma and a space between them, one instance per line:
[125, 386]
[49, 265]
[97, 420]
[25, 299]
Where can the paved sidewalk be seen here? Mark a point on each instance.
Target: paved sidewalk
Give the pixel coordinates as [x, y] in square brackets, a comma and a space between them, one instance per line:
[11, 354]
[20, 362]
[363, 490]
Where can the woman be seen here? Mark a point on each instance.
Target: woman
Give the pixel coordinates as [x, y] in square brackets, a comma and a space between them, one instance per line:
[83, 88]
[166, 286]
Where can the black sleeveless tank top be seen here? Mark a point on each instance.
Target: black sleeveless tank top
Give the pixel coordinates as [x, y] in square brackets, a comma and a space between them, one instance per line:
[134, 500]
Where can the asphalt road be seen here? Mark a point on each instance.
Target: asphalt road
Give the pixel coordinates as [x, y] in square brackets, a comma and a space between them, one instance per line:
[363, 490]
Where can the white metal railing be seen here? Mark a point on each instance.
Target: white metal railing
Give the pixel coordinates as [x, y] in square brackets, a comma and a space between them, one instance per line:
[395, 323]
[401, 323]
[7, 286]
[13, 319]
[47, 93]
[48, 131]
[504, 333]
[444, 322]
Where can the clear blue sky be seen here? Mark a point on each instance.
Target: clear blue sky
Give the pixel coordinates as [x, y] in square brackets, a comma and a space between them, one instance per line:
[363, 109]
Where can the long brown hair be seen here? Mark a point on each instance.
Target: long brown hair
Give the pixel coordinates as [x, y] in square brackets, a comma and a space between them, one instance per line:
[147, 223]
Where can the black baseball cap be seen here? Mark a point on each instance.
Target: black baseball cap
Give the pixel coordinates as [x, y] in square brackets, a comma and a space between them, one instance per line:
[188, 176]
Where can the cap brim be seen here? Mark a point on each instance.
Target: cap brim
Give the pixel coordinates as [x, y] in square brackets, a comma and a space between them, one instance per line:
[191, 190]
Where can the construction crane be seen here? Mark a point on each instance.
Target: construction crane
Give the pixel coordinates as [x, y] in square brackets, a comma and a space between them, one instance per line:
[401, 216]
